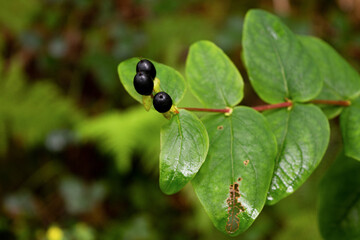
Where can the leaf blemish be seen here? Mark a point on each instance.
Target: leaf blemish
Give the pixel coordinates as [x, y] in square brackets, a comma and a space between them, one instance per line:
[234, 208]
[220, 127]
[246, 162]
[239, 179]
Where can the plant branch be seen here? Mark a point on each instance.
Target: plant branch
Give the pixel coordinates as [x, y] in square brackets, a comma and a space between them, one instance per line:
[270, 106]
[223, 110]
[331, 102]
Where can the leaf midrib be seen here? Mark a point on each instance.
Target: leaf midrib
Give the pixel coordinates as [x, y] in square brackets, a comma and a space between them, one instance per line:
[276, 50]
[181, 142]
[281, 149]
[247, 157]
[231, 151]
[215, 75]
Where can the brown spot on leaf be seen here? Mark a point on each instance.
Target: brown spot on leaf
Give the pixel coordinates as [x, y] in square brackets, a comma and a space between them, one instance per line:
[239, 179]
[246, 162]
[220, 127]
[234, 208]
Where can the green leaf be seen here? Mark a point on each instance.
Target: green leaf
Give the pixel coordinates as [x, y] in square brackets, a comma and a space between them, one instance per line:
[277, 63]
[171, 81]
[341, 81]
[350, 129]
[241, 157]
[302, 135]
[212, 76]
[184, 144]
[339, 204]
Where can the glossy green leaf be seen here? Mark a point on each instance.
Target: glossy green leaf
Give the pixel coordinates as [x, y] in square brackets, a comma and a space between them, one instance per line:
[171, 81]
[212, 76]
[241, 157]
[277, 63]
[350, 129]
[341, 81]
[339, 201]
[184, 145]
[302, 135]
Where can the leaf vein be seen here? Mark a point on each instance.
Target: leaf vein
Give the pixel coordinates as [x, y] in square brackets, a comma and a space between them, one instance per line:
[181, 142]
[280, 61]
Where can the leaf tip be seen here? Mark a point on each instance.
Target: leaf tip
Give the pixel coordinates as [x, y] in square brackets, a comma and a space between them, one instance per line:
[167, 188]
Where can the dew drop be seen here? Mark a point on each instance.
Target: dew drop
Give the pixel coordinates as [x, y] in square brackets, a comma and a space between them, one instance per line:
[289, 189]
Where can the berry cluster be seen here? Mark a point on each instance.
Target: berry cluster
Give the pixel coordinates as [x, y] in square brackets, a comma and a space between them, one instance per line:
[144, 85]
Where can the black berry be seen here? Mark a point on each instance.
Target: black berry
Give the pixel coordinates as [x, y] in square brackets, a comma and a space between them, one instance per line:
[147, 67]
[143, 83]
[162, 102]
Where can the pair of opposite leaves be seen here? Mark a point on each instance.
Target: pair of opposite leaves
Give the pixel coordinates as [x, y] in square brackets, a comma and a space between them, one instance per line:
[242, 145]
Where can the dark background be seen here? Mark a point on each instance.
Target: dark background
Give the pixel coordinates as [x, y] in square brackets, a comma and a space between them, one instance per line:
[79, 157]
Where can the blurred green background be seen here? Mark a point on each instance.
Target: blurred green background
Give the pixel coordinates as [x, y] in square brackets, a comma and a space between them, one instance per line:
[79, 157]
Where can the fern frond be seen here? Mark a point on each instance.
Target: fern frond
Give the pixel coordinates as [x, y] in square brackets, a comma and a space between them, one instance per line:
[124, 134]
[30, 112]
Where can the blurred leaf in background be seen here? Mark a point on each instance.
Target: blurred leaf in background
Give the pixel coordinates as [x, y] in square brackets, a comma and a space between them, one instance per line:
[29, 113]
[170, 36]
[82, 231]
[80, 197]
[339, 200]
[24, 10]
[125, 134]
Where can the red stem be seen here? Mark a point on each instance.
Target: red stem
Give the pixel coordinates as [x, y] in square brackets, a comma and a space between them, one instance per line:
[224, 110]
[332, 102]
[271, 106]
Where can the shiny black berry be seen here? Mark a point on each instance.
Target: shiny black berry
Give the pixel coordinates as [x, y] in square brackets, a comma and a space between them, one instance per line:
[143, 83]
[162, 102]
[147, 67]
